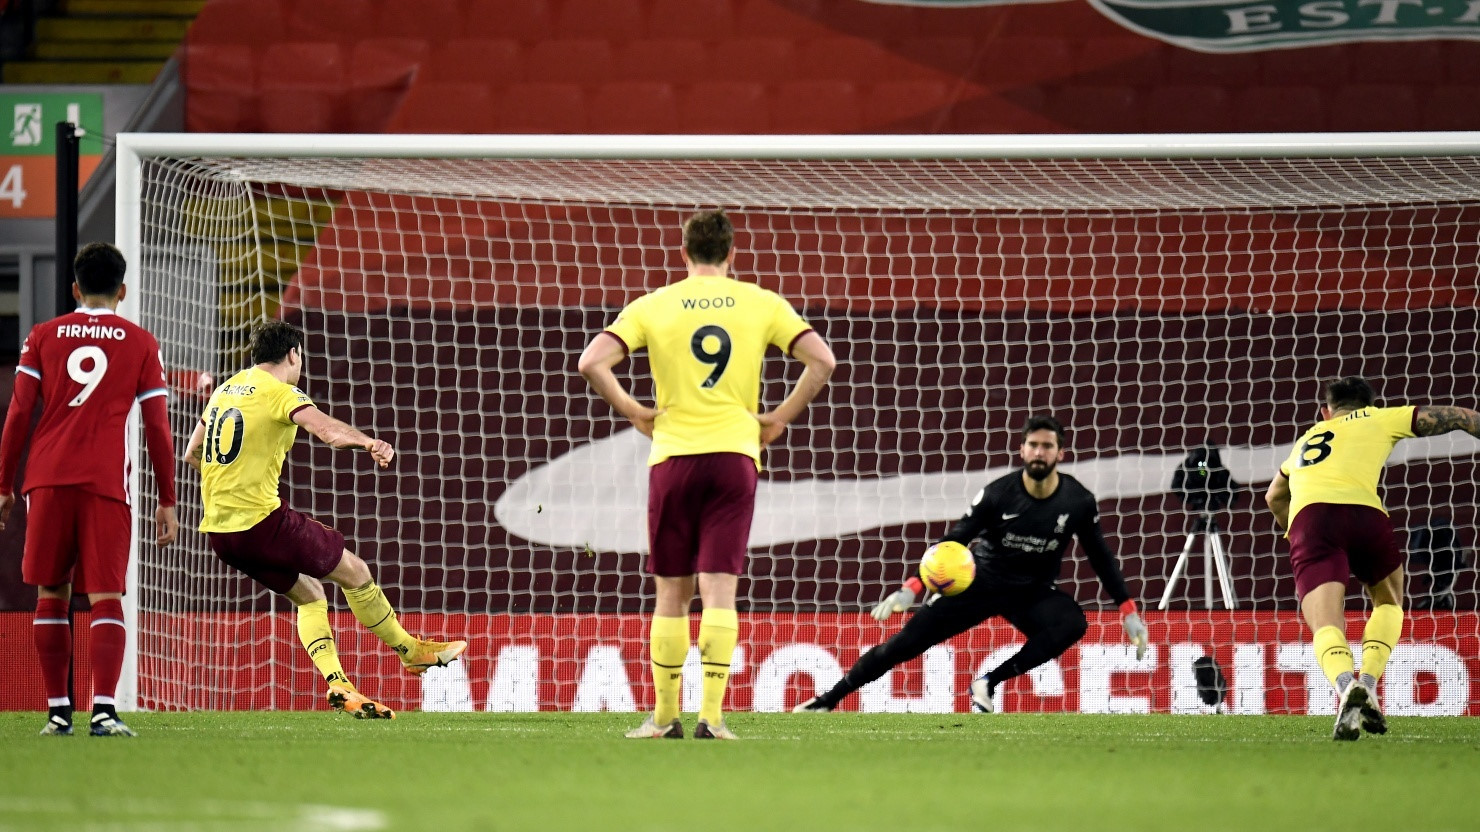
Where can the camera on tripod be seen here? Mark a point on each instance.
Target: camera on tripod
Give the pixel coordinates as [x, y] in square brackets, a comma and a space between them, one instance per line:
[1205, 487]
[1202, 482]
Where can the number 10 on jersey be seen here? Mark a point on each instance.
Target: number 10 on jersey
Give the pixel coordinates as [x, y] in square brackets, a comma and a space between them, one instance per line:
[215, 422]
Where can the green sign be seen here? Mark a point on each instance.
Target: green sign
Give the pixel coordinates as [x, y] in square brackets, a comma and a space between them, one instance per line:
[30, 119]
[1222, 26]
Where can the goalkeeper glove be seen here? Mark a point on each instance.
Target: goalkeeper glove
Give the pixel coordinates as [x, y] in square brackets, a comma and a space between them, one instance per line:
[897, 601]
[1135, 628]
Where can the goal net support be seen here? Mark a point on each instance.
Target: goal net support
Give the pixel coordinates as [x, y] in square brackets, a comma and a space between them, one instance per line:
[1155, 293]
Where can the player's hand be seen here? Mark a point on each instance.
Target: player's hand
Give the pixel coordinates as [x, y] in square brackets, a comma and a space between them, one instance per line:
[771, 427]
[1135, 631]
[7, 502]
[166, 526]
[381, 451]
[644, 418]
[897, 601]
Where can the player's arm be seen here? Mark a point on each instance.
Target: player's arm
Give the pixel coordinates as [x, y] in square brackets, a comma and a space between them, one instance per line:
[17, 434]
[195, 448]
[1278, 499]
[337, 434]
[1429, 420]
[161, 445]
[1103, 561]
[817, 357]
[604, 353]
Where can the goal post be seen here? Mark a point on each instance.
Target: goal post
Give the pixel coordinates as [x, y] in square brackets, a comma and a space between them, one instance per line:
[1155, 292]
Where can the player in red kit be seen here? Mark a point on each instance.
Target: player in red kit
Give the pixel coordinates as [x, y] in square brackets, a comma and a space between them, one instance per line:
[89, 368]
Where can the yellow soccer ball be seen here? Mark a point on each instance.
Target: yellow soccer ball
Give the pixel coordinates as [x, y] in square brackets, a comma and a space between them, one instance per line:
[947, 568]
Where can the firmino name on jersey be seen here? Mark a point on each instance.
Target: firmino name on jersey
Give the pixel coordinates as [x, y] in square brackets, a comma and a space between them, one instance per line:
[107, 333]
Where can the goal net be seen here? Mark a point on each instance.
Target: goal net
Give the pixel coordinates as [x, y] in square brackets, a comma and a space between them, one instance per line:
[1156, 294]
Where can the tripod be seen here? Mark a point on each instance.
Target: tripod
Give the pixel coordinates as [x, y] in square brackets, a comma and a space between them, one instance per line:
[1215, 557]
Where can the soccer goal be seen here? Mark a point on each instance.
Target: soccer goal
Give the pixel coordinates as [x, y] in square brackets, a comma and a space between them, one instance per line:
[1156, 293]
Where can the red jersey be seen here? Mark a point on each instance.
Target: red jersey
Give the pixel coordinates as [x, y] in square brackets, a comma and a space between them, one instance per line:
[93, 366]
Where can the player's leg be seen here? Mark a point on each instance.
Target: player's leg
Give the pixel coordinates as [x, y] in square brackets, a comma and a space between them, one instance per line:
[939, 619]
[375, 613]
[47, 564]
[1052, 621]
[1319, 561]
[719, 632]
[102, 569]
[1378, 563]
[317, 636]
[723, 539]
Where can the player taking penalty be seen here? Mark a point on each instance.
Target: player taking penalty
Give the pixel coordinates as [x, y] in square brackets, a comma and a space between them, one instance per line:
[239, 445]
[706, 338]
[1325, 496]
[88, 368]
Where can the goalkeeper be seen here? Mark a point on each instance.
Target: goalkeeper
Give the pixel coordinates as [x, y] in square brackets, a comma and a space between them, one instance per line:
[1023, 523]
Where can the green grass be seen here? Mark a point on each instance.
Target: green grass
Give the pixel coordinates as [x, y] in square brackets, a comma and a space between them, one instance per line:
[810, 772]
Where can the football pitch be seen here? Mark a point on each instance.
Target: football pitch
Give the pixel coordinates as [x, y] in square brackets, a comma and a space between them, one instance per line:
[845, 771]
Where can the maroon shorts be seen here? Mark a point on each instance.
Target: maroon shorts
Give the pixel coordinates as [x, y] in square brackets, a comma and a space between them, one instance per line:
[283, 546]
[699, 511]
[77, 537]
[1329, 541]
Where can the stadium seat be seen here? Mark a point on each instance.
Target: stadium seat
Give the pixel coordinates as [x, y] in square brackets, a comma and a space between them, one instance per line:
[536, 107]
[220, 87]
[906, 107]
[756, 60]
[301, 86]
[330, 20]
[632, 107]
[381, 70]
[875, 20]
[609, 19]
[1188, 108]
[673, 60]
[1095, 109]
[527, 22]
[857, 60]
[1271, 109]
[1462, 61]
[1120, 60]
[1397, 62]
[1451, 108]
[1374, 107]
[1319, 66]
[1024, 60]
[252, 22]
[445, 108]
[703, 19]
[724, 107]
[569, 61]
[775, 18]
[434, 20]
[1019, 110]
[955, 57]
[496, 62]
[1185, 66]
[816, 107]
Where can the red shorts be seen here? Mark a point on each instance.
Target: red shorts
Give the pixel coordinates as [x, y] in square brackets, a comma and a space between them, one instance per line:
[77, 537]
[1329, 541]
[284, 545]
[699, 511]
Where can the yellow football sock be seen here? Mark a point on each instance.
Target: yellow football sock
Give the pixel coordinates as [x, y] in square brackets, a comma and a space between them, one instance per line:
[1333, 653]
[718, 632]
[318, 640]
[1382, 632]
[670, 646]
[371, 608]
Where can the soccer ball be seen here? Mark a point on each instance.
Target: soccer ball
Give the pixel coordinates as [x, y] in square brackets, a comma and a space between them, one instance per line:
[947, 568]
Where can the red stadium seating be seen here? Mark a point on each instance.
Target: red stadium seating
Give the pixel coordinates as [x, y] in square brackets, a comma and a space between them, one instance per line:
[633, 107]
[445, 108]
[301, 85]
[846, 59]
[724, 107]
[569, 61]
[757, 60]
[615, 20]
[1096, 109]
[1451, 108]
[1402, 62]
[380, 72]
[1025, 60]
[330, 20]
[542, 108]
[495, 62]
[665, 59]
[434, 20]
[525, 21]
[1120, 60]
[1271, 109]
[220, 88]
[1321, 66]
[953, 56]
[906, 107]
[1017, 110]
[1188, 109]
[1363, 107]
[770, 18]
[1187, 67]
[816, 107]
[703, 19]
[252, 22]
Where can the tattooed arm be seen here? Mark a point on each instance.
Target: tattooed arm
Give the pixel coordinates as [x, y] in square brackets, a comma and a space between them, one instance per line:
[1432, 421]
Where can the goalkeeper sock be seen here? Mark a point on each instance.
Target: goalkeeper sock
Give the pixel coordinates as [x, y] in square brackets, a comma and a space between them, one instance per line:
[1334, 655]
[718, 632]
[373, 611]
[318, 640]
[1382, 632]
[669, 647]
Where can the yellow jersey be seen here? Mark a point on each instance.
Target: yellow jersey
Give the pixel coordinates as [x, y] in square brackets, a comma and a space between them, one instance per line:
[1340, 460]
[249, 429]
[706, 338]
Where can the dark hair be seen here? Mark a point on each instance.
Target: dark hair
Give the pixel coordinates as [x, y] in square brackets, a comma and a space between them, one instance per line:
[1044, 422]
[1350, 393]
[98, 270]
[273, 340]
[707, 237]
